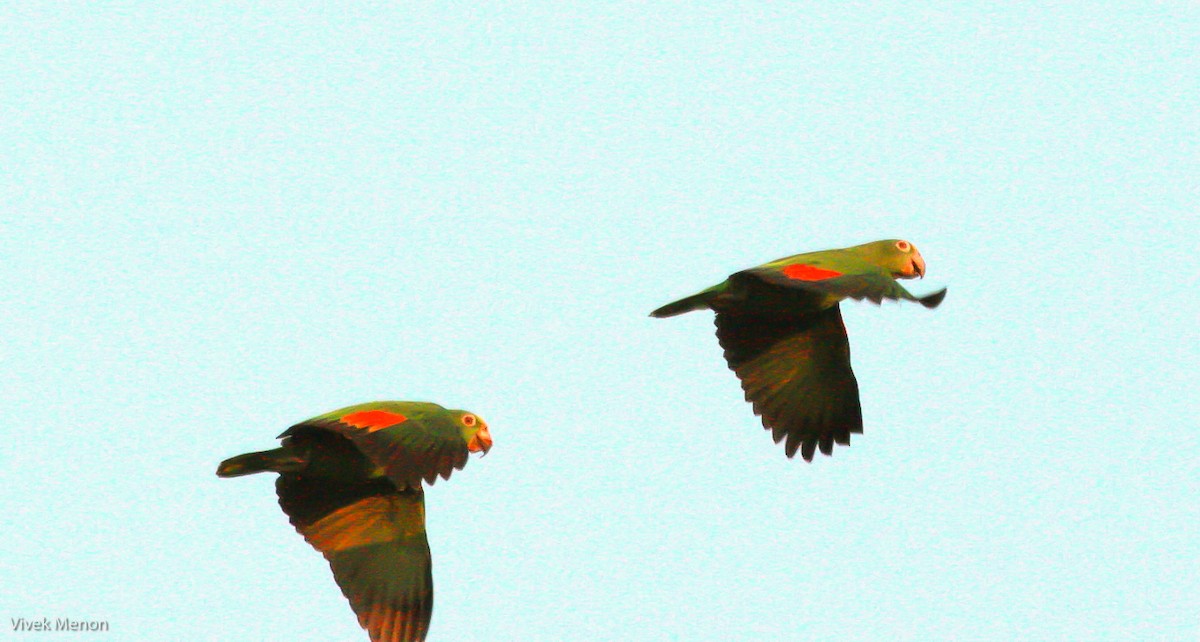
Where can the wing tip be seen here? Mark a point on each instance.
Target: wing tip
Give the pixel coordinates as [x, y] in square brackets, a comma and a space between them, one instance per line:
[933, 300]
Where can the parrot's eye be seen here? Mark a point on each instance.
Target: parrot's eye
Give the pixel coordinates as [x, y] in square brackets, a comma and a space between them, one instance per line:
[468, 420]
[903, 246]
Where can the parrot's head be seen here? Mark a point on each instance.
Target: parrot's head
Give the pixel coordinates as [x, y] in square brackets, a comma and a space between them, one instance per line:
[901, 258]
[474, 431]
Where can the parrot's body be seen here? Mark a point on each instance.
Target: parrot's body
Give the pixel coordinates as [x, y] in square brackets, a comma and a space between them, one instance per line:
[350, 482]
[782, 331]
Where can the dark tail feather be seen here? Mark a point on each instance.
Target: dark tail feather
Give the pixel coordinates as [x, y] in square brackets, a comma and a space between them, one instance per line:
[280, 460]
[697, 301]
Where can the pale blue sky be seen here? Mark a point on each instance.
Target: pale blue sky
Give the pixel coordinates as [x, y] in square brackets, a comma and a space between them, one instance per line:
[218, 221]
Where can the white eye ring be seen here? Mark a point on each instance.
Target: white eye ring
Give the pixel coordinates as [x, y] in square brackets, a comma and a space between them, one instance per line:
[903, 246]
[468, 420]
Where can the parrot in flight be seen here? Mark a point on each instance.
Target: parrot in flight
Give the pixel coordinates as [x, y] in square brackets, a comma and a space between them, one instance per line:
[350, 483]
[782, 332]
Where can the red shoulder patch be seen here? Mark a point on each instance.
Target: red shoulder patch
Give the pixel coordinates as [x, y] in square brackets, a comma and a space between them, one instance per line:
[373, 420]
[802, 272]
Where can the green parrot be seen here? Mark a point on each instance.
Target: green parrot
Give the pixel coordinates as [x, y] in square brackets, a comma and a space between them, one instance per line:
[350, 482]
[783, 336]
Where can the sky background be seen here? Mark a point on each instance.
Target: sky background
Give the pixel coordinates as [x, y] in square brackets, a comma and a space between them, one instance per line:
[221, 220]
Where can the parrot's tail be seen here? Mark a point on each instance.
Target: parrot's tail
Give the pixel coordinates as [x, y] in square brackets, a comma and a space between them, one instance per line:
[280, 460]
[697, 301]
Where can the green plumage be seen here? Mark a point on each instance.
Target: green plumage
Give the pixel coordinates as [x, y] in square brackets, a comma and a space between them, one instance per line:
[782, 331]
[431, 442]
[350, 483]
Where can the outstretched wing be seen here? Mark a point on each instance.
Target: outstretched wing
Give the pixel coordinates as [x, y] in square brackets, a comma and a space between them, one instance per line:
[796, 372]
[858, 282]
[410, 441]
[374, 539]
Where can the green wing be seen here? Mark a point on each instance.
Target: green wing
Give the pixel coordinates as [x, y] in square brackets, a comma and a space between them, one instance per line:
[410, 441]
[374, 539]
[860, 281]
[796, 372]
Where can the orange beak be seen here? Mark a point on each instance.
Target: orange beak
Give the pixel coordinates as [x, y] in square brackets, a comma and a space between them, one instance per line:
[482, 441]
[915, 268]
